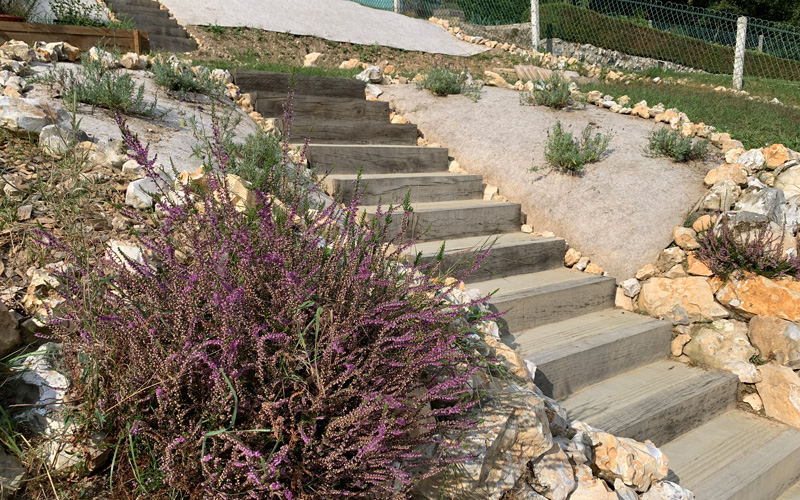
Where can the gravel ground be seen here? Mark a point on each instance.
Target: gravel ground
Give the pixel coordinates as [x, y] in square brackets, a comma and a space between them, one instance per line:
[337, 20]
[621, 213]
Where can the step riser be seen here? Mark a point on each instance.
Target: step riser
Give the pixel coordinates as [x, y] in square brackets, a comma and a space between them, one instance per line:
[265, 81]
[679, 418]
[344, 160]
[174, 32]
[172, 44]
[774, 482]
[563, 377]
[322, 132]
[141, 11]
[508, 260]
[457, 223]
[557, 305]
[393, 190]
[144, 22]
[270, 105]
[135, 3]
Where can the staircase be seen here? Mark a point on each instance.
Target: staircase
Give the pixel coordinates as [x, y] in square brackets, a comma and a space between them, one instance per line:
[607, 367]
[165, 33]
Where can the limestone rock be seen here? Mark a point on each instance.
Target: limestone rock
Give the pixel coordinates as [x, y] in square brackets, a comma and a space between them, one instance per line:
[775, 156]
[646, 272]
[676, 271]
[728, 172]
[637, 464]
[42, 299]
[552, 475]
[762, 296]
[572, 257]
[593, 268]
[72, 52]
[511, 431]
[622, 301]
[789, 182]
[582, 264]
[492, 79]
[685, 237]
[631, 287]
[733, 155]
[315, 59]
[728, 146]
[694, 295]
[17, 51]
[763, 200]
[29, 116]
[9, 331]
[666, 490]
[107, 59]
[755, 402]
[56, 140]
[641, 110]
[140, 193]
[12, 473]
[678, 344]
[372, 74]
[697, 267]
[670, 257]
[132, 60]
[720, 197]
[41, 386]
[753, 159]
[724, 345]
[703, 223]
[780, 391]
[350, 64]
[589, 487]
[372, 92]
[776, 339]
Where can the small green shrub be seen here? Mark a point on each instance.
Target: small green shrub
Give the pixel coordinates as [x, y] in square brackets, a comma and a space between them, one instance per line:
[665, 142]
[570, 154]
[96, 85]
[21, 8]
[553, 93]
[77, 13]
[442, 81]
[182, 79]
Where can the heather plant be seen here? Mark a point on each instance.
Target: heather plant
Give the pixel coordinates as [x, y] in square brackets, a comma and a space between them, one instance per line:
[730, 252]
[269, 353]
[570, 154]
[670, 143]
[553, 93]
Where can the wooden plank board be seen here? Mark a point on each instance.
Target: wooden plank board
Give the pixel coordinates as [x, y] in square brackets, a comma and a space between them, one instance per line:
[83, 37]
[350, 132]
[250, 80]
[343, 159]
[270, 105]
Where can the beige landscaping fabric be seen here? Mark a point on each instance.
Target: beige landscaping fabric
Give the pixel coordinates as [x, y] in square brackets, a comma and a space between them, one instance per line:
[621, 213]
[337, 20]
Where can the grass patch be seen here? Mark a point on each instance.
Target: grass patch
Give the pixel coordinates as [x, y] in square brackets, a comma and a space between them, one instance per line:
[569, 154]
[251, 61]
[756, 124]
[666, 142]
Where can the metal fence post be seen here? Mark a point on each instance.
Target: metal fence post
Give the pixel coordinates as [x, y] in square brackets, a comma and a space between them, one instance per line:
[738, 62]
[535, 24]
[397, 6]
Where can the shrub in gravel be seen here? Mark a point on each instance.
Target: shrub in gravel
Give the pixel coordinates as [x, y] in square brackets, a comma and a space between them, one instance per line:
[670, 143]
[268, 353]
[571, 154]
[442, 80]
[553, 93]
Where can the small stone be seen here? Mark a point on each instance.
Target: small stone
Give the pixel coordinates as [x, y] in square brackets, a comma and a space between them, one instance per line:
[670, 257]
[399, 120]
[637, 465]
[492, 79]
[703, 223]
[17, 51]
[12, 473]
[754, 400]
[350, 64]
[733, 155]
[675, 271]
[314, 59]
[729, 172]
[776, 339]
[622, 301]
[646, 272]
[724, 345]
[572, 257]
[490, 191]
[685, 237]
[631, 287]
[779, 389]
[527, 228]
[697, 267]
[775, 156]
[372, 74]
[694, 294]
[678, 343]
[9, 331]
[131, 167]
[582, 264]
[593, 268]
[133, 61]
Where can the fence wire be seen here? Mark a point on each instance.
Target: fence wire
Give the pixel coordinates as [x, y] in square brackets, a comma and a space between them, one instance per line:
[703, 39]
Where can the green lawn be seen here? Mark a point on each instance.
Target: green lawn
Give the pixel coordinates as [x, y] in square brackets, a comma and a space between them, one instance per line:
[756, 124]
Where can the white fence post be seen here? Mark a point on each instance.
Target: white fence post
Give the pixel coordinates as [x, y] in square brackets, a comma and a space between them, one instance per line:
[535, 24]
[738, 62]
[397, 6]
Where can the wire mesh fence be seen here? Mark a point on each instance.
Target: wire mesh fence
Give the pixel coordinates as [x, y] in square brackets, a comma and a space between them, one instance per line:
[702, 39]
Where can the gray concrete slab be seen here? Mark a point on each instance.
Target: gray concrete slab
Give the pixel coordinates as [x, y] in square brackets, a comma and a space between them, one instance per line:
[337, 20]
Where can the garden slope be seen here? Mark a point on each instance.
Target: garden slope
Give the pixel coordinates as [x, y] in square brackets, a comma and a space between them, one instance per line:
[620, 213]
[337, 20]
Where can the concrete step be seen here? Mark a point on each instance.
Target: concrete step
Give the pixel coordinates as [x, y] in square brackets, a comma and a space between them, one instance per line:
[145, 21]
[270, 105]
[659, 401]
[170, 32]
[454, 219]
[392, 188]
[792, 493]
[134, 3]
[538, 299]
[250, 80]
[736, 456]
[352, 132]
[582, 350]
[172, 44]
[137, 10]
[511, 253]
[377, 159]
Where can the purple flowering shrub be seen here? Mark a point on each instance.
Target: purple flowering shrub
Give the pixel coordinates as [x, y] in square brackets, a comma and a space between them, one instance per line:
[730, 252]
[267, 353]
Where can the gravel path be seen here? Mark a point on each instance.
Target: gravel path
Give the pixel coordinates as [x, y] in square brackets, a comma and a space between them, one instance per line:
[621, 213]
[337, 20]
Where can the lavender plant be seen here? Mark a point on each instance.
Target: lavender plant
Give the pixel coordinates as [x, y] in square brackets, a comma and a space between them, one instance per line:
[570, 154]
[729, 252]
[267, 353]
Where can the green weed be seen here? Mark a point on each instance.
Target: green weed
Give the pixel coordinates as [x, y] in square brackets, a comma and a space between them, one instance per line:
[670, 143]
[570, 154]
